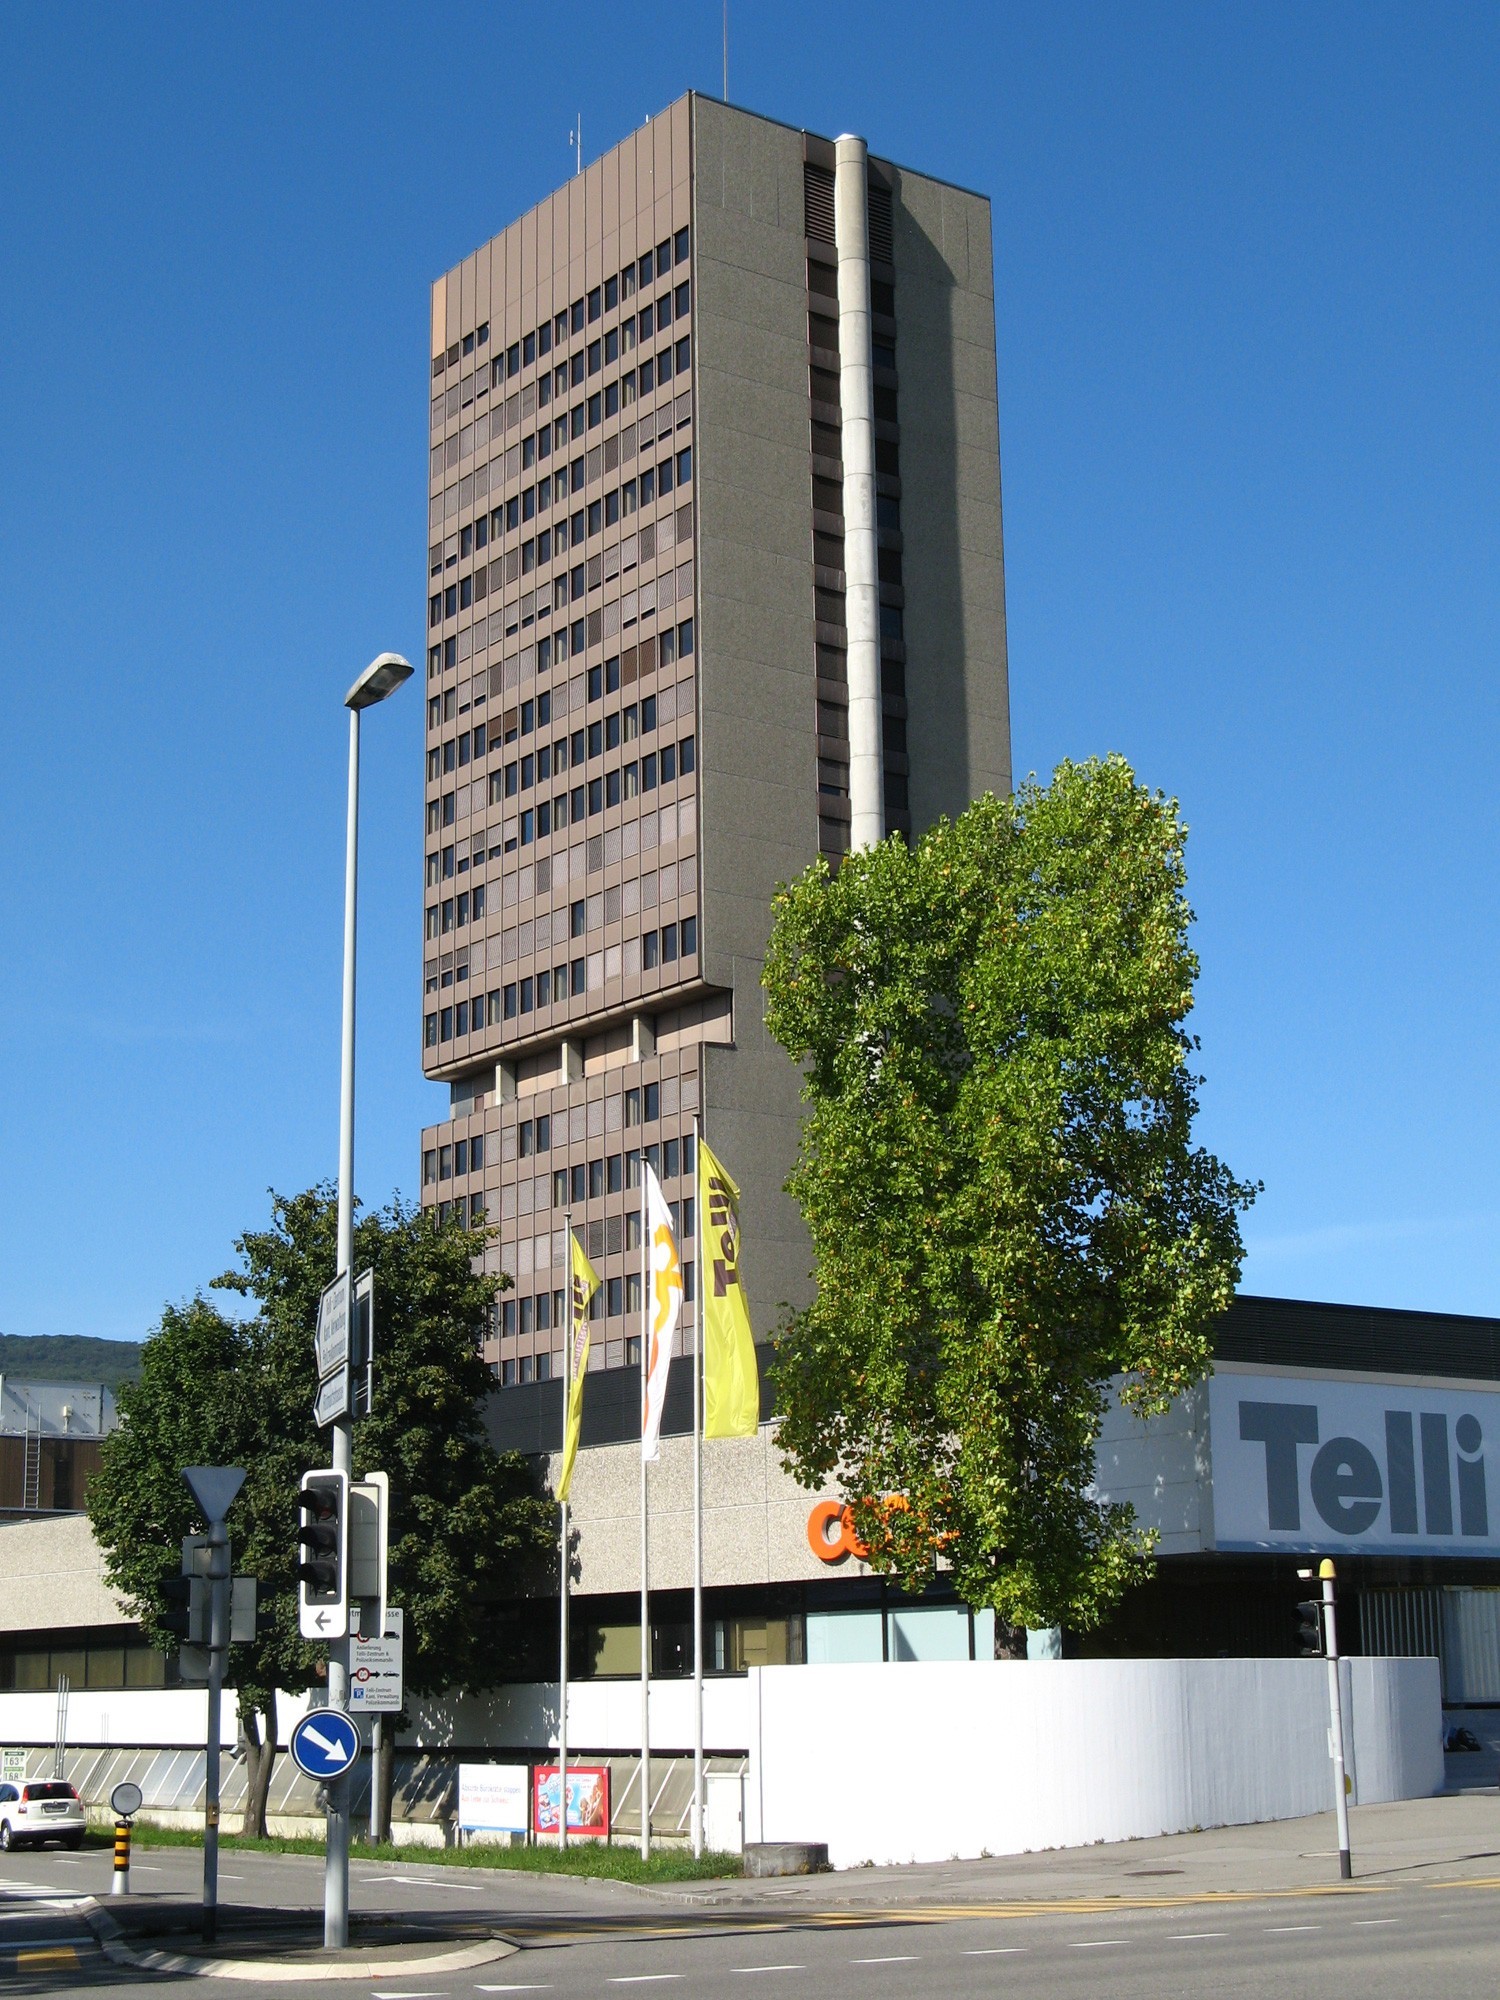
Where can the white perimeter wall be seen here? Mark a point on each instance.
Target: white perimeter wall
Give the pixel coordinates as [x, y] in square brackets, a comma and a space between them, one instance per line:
[931, 1760]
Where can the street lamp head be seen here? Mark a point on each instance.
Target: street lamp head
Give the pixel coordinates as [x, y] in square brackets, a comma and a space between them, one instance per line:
[381, 677]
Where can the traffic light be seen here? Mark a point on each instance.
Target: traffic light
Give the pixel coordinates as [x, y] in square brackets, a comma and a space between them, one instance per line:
[323, 1567]
[1310, 1627]
[187, 1602]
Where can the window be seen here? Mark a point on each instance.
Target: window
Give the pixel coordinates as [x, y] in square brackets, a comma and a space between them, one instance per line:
[685, 755]
[595, 356]
[651, 1103]
[596, 1180]
[684, 466]
[649, 951]
[616, 1299]
[632, 1107]
[668, 943]
[461, 1156]
[648, 383]
[668, 764]
[560, 1188]
[510, 1002]
[680, 242]
[429, 1031]
[689, 937]
[594, 304]
[664, 477]
[576, 1183]
[685, 638]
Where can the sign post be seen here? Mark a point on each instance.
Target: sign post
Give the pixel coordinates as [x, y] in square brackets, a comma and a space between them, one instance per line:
[1336, 1720]
[214, 1487]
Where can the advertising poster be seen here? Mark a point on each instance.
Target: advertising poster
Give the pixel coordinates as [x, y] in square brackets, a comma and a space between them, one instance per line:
[588, 1800]
[492, 1798]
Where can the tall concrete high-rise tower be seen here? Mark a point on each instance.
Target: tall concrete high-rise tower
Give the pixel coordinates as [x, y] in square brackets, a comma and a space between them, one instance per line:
[716, 586]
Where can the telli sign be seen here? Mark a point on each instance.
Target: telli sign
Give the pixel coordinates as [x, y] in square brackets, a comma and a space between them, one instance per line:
[1383, 1467]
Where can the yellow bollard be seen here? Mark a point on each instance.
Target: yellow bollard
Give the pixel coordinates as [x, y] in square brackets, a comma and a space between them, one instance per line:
[120, 1886]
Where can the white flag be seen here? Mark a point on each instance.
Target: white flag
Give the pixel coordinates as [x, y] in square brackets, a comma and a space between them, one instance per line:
[663, 1305]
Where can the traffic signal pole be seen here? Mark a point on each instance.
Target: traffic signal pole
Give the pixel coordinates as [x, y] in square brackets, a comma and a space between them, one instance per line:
[218, 1646]
[1336, 1720]
[336, 1869]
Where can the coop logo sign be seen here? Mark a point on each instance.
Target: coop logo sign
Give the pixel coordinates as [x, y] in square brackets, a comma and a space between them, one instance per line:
[1385, 1468]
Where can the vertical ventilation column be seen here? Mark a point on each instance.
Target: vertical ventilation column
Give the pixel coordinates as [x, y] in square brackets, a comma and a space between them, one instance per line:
[861, 560]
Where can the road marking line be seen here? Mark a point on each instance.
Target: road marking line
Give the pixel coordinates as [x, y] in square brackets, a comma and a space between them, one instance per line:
[894, 1958]
[1094, 1944]
[426, 1993]
[1279, 1930]
[1364, 1923]
[642, 1978]
[768, 1968]
[994, 1951]
[1192, 1937]
[513, 1989]
[50, 1959]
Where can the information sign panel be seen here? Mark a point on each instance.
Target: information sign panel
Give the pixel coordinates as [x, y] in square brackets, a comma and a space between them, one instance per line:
[375, 1669]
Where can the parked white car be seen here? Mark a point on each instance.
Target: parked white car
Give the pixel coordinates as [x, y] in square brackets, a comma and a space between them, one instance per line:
[47, 1809]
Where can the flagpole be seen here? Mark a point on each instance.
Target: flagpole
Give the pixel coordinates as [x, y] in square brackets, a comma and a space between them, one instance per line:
[698, 1323]
[645, 1545]
[562, 1707]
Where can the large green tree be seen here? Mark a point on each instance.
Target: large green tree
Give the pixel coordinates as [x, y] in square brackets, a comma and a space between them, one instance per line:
[998, 1174]
[468, 1529]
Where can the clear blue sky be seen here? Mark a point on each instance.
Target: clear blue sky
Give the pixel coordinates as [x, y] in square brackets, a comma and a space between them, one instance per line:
[1247, 296]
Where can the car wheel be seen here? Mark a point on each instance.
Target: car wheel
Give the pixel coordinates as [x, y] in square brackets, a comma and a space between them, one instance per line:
[73, 1840]
[7, 1838]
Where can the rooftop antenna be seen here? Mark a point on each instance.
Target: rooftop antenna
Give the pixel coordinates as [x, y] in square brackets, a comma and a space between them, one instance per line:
[726, 51]
[575, 139]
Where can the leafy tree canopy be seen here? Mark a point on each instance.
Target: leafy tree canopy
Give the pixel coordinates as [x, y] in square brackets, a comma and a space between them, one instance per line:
[467, 1527]
[998, 1174]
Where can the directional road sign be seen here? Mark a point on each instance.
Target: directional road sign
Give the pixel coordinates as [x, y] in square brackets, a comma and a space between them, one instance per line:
[325, 1743]
[334, 1315]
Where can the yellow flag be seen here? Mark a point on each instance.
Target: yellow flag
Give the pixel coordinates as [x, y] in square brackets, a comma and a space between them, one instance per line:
[731, 1381]
[585, 1284]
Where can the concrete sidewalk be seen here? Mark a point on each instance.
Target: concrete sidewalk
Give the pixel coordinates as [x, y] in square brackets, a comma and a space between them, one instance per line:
[1412, 1841]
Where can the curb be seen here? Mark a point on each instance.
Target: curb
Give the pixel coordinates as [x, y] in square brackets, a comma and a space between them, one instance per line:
[280, 1970]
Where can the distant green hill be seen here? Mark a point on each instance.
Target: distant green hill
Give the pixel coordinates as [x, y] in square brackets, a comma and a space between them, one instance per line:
[69, 1357]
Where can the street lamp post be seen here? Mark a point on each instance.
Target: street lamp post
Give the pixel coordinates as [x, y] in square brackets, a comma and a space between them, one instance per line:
[381, 678]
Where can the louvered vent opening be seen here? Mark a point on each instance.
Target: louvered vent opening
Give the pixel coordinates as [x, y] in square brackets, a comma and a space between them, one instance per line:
[817, 201]
[880, 224]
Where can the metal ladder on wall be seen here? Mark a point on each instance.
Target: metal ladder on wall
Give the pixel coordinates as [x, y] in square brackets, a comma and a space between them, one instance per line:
[31, 1472]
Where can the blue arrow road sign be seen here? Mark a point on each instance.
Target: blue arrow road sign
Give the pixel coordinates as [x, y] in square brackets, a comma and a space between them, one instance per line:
[325, 1743]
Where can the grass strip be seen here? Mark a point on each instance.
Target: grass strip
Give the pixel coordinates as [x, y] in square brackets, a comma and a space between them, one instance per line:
[594, 1858]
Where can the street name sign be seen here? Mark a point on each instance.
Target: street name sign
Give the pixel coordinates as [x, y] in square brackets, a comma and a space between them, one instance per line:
[332, 1400]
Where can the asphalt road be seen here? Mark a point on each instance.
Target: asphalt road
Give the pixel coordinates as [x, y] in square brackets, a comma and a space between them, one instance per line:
[598, 1942]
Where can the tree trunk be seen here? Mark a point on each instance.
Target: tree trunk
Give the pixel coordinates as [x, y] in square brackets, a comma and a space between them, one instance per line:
[260, 1761]
[1010, 1641]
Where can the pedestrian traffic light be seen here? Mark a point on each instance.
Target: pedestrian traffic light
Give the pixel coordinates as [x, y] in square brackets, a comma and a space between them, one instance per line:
[1310, 1627]
[323, 1564]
